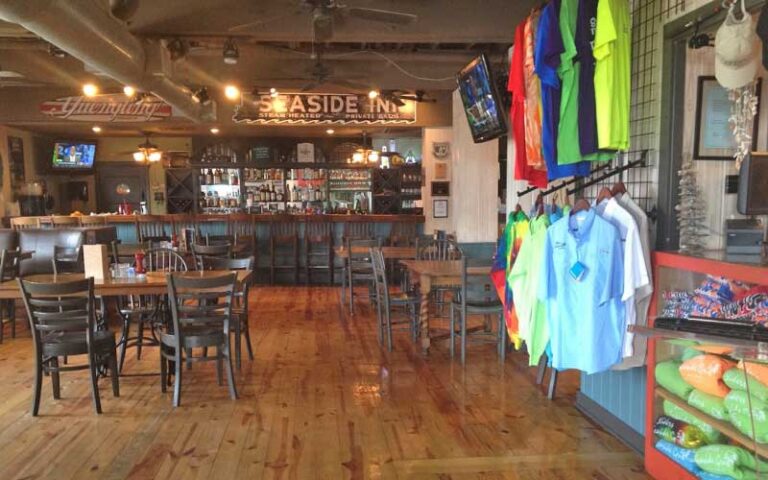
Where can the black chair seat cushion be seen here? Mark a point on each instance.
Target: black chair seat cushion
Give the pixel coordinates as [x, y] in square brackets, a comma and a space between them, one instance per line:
[197, 336]
[74, 343]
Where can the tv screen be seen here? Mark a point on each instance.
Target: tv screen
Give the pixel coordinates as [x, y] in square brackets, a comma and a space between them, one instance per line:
[481, 101]
[73, 155]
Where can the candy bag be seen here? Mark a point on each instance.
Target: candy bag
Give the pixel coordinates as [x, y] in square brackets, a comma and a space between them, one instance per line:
[668, 376]
[705, 373]
[680, 433]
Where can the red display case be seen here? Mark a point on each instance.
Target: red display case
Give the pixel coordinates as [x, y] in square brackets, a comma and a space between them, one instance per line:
[675, 271]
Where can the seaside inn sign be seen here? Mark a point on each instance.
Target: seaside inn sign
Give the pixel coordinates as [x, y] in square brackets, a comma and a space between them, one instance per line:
[323, 108]
[115, 108]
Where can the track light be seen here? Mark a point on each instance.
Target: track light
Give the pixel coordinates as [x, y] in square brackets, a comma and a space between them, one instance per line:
[201, 96]
[90, 90]
[55, 51]
[129, 91]
[373, 94]
[231, 92]
[96, 129]
[230, 53]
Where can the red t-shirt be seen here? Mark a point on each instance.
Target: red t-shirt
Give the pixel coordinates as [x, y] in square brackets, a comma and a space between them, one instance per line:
[516, 86]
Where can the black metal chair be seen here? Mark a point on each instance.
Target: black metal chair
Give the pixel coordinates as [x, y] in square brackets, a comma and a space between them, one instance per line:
[67, 259]
[438, 249]
[201, 311]
[477, 296]
[318, 249]
[62, 319]
[146, 309]
[9, 270]
[357, 268]
[283, 245]
[220, 251]
[240, 307]
[388, 303]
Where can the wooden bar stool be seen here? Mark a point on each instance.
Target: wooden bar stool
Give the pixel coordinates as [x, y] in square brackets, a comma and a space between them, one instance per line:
[283, 243]
[92, 220]
[318, 248]
[242, 228]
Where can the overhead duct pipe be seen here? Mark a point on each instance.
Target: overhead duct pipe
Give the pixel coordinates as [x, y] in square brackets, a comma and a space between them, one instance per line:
[89, 33]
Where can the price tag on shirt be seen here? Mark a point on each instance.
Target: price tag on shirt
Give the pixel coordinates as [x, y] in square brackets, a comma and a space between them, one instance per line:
[577, 271]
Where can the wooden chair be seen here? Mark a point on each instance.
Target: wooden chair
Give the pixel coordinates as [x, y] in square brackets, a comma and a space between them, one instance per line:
[477, 296]
[146, 309]
[181, 222]
[9, 270]
[220, 251]
[201, 312]
[438, 249]
[283, 245]
[357, 268]
[67, 259]
[92, 220]
[389, 303]
[62, 319]
[240, 307]
[318, 249]
[20, 223]
[151, 228]
[64, 221]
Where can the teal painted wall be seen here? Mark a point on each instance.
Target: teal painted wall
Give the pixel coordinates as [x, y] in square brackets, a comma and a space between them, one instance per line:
[622, 393]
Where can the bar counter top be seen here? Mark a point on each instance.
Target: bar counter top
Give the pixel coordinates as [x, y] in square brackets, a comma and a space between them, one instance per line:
[264, 217]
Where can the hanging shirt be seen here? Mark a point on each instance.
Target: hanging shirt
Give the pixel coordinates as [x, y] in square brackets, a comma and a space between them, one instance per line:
[643, 294]
[635, 272]
[585, 317]
[532, 96]
[612, 52]
[568, 150]
[516, 87]
[549, 47]
[524, 280]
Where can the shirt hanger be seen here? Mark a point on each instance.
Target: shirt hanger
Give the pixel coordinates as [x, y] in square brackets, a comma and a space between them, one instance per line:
[581, 205]
[619, 189]
[604, 194]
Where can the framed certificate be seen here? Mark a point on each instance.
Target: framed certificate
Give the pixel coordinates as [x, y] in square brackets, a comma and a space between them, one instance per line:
[713, 138]
[440, 208]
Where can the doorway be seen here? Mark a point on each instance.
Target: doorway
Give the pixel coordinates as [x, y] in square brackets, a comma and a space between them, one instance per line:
[119, 182]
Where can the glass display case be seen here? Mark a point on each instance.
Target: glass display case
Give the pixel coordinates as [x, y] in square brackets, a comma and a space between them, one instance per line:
[707, 384]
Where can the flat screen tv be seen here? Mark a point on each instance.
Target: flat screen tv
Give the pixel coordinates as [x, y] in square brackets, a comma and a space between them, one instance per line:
[73, 156]
[482, 103]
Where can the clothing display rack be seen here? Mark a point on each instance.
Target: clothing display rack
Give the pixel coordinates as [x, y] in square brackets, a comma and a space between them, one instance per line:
[564, 184]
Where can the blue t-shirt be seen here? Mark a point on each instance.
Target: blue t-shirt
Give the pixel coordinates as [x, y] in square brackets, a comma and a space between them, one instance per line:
[546, 59]
[585, 316]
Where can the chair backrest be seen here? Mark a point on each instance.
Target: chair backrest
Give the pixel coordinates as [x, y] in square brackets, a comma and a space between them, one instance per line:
[359, 249]
[242, 225]
[59, 307]
[164, 260]
[201, 301]
[443, 249]
[215, 263]
[20, 223]
[359, 230]
[90, 220]
[380, 278]
[63, 221]
[67, 259]
[9, 264]
[151, 227]
[222, 251]
[475, 288]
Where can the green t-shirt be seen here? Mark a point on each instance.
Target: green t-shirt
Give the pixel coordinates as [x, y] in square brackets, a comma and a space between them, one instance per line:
[524, 279]
[612, 51]
[568, 131]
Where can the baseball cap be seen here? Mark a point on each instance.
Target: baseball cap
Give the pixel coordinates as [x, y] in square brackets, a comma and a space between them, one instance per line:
[736, 51]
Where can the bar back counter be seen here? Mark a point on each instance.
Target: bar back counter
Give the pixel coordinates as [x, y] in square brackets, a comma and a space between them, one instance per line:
[287, 247]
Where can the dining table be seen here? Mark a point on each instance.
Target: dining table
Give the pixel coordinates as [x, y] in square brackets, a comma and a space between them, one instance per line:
[151, 283]
[431, 274]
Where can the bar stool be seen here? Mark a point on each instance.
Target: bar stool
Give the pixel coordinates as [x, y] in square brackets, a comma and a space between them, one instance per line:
[358, 268]
[242, 228]
[151, 228]
[283, 242]
[64, 221]
[318, 248]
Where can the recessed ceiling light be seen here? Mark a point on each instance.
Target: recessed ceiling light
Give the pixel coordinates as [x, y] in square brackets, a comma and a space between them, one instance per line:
[330, 131]
[96, 129]
[90, 90]
[214, 130]
[373, 94]
[230, 53]
[129, 91]
[231, 92]
[273, 92]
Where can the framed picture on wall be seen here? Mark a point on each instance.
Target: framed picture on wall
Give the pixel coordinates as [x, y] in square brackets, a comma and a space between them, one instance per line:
[441, 171]
[713, 136]
[441, 189]
[440, 208]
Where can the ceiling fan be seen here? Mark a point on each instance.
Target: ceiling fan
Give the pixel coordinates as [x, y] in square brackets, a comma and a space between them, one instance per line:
[326, 12]
[398, 97]
[321, 74]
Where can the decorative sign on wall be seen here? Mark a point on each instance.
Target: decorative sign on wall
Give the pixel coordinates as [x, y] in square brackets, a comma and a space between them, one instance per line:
[115, 108]
[16, 162]
[314, 108]
[441, 189]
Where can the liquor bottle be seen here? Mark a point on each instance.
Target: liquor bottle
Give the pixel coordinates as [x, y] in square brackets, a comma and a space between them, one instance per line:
[208, 177]
[249, 200]
[272, 194]
[235, 180]
[216, 178]
[305, 195]
[280, 196]
[201, 177]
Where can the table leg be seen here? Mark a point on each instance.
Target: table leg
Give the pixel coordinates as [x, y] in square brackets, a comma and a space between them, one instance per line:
[425, 286]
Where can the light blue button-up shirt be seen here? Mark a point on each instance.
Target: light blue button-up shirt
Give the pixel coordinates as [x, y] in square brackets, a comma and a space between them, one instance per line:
[586, 316]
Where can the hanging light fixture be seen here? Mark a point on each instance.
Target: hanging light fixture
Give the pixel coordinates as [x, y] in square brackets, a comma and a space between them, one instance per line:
[230, 52]
[148, 152]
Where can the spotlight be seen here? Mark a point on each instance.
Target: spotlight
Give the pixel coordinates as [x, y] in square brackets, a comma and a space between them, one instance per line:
[373, 94]
[90, 90]
[230, 53]
[96, 129]
[214, 130]
[330, 131]
[273, 92]
[232, 92]
[55, 51]
[129, 91]
[201, 96]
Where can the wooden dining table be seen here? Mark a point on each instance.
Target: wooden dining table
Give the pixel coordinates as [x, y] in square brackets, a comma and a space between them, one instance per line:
[153, 283]
[436, 273]
[390, 253]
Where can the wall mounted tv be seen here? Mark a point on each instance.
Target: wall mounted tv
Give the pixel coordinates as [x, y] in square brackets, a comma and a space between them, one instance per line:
[73, 156]
[481, 100]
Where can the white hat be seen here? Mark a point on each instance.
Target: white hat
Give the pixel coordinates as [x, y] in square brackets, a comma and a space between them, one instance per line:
[737, 55]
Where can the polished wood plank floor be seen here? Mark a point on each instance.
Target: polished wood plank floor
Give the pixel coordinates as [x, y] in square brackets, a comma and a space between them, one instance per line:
[321, 401]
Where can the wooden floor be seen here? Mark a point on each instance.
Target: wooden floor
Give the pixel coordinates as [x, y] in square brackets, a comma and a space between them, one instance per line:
[321, 401]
